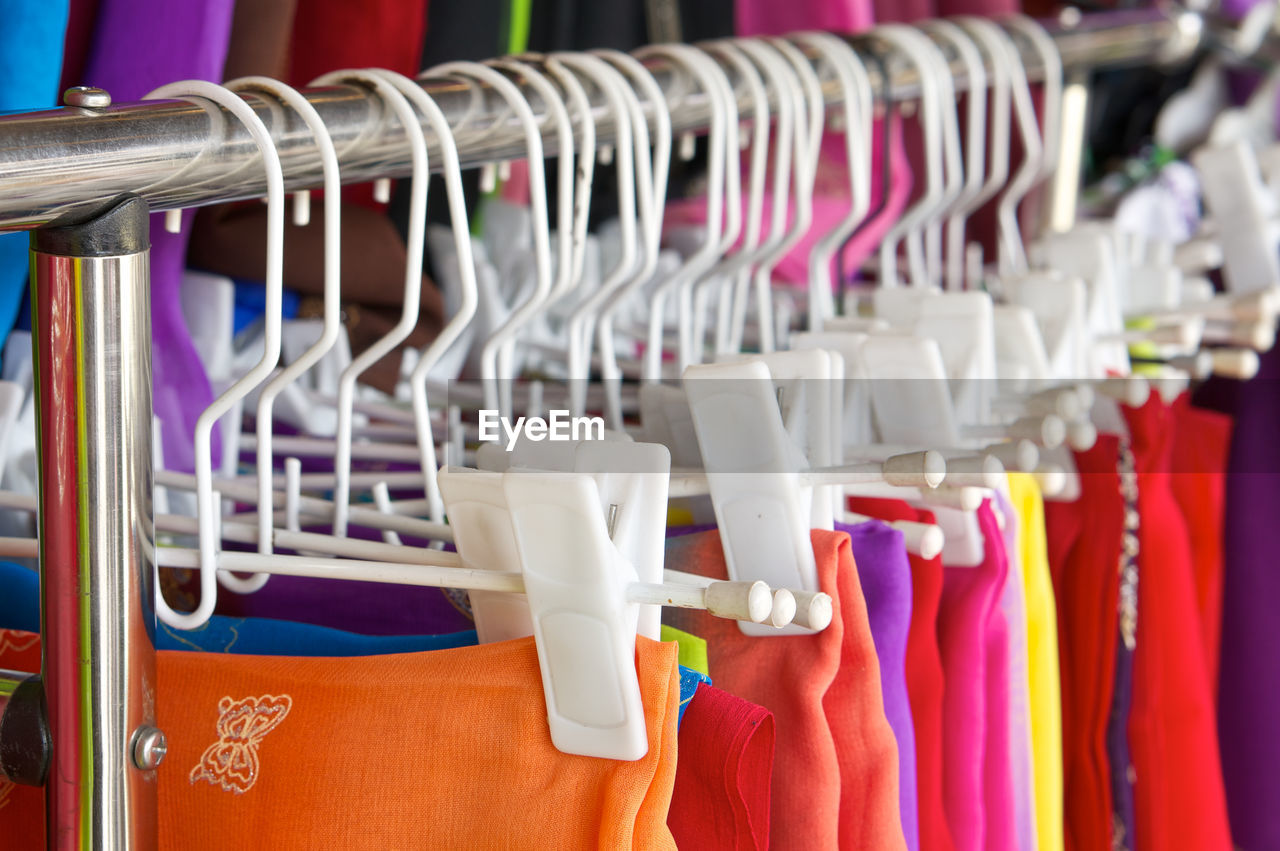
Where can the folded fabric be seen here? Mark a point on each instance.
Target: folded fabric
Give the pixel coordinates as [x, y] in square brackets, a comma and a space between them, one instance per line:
[1042, 661]
[885, 577]
[835, 771]
[973, 638]
[723, 775]
[924, 673]
[448, 749]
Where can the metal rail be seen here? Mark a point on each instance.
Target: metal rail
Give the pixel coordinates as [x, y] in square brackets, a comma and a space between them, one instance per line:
[182, 154]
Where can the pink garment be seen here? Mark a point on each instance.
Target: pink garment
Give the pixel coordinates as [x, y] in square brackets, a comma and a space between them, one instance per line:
[973, 636]
[831, 197]
[768, 17]
[831, 202]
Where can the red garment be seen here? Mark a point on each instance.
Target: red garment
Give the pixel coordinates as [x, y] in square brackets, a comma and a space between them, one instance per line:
[1201, 443]
[723, 775]
[333, 35]
[1172, 723]
[21, 807]
[1084, 552]
[924, 674]
[835, 770]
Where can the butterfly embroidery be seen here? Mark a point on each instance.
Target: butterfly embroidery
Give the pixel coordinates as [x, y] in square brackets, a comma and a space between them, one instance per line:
[232, 761]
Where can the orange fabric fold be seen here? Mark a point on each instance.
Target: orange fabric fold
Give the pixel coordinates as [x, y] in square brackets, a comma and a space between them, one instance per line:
[445, 749]
[835, 770]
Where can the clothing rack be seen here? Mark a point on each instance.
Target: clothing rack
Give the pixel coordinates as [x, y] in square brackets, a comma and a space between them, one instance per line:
[85, 728]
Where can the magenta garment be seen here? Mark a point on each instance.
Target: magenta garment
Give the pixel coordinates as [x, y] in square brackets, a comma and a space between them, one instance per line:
[768, 17]
[885, 576]
[1013, 605]
[1249, 675]
[973, 639]
[140, 45]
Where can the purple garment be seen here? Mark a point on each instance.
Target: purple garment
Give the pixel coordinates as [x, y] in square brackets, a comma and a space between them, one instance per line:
[369, 608]
[1013, 605]
[885, 576]
[1249, 676]
[138, 46]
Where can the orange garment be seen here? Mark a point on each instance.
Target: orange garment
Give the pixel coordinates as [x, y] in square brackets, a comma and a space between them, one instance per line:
[835, 770]
[444, 749]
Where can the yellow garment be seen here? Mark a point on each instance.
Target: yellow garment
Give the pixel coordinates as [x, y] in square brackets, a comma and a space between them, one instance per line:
[693, 650]
[1042, 654]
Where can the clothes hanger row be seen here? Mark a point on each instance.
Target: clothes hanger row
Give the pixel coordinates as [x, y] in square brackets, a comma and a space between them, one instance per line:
[893, 398]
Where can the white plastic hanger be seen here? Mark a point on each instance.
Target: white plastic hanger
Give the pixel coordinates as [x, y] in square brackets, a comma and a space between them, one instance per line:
[859, 112]
[538, 208]
[581, 325]
[654, 175]
[930, 113]
[408, 119]
[208, 502]
[332, 307]
[710, 79]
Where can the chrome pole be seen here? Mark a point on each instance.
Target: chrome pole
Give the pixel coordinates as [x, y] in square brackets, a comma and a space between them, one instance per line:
[91, 311]
[179, 154]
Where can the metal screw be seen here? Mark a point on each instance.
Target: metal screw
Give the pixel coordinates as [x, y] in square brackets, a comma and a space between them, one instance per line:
[149, 747]
[87, 97]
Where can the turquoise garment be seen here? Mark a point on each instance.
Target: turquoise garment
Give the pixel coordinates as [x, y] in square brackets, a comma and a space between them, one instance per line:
[689, 682]
[32, 33]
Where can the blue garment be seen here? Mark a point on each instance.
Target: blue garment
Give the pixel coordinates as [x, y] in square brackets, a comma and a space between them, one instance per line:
[689, 682]
[32, 33]
[251, 303]
[20, 609]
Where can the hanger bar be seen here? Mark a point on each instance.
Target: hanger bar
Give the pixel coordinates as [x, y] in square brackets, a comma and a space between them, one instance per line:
[176, 154]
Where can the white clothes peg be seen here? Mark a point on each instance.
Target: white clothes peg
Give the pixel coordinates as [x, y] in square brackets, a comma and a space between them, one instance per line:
[207, 501]
[753, 470]
[1244, 210]
[581, 605]
[632, 479]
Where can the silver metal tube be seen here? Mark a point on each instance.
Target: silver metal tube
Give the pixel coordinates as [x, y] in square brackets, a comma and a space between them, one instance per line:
[92, 331]
[177, 154]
